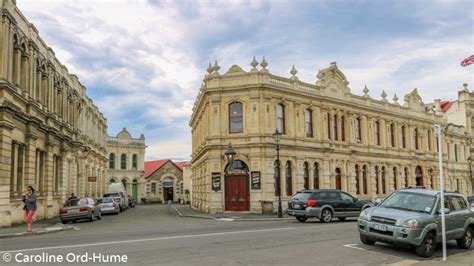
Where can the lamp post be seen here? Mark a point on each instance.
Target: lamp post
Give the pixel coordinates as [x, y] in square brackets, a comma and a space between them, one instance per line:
[277, 136]
[230, 154]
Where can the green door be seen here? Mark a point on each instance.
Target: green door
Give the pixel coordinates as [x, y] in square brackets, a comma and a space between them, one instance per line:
[134, 191]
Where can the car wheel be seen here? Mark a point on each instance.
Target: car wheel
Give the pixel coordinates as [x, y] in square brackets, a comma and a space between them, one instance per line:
[64, 221]
[366, 240]
[91, 217]
[301, 219]
[466, 240]
[99, 216]
[427, 246]
[326, 216]
[341, 218]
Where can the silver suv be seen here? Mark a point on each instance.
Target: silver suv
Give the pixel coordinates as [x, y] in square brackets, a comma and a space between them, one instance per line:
[411, 217]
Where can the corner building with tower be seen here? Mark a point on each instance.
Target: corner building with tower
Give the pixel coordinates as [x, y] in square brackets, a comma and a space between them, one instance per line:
[330, 138]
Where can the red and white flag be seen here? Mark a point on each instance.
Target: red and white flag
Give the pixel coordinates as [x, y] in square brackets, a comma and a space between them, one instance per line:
[468, 61]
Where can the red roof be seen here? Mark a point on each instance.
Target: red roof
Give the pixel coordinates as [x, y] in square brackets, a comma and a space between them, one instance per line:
[181, 165]
[152, 166]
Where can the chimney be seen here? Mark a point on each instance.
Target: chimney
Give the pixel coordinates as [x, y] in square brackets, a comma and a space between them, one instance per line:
[437, 106]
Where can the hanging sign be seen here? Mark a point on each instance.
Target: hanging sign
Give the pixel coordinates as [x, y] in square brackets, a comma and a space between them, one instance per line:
[216, 181]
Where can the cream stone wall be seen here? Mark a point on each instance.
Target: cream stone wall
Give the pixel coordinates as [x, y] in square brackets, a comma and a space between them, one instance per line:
[133, 175]
[52, 136]
[387, 167]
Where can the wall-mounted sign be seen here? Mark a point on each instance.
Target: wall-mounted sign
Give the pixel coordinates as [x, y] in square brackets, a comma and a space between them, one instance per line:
[216, 181]
[92, 179]
[255, 180]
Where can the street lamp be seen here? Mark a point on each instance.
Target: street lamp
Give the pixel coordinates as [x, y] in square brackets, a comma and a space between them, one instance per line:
[230, 154]
[277, 136]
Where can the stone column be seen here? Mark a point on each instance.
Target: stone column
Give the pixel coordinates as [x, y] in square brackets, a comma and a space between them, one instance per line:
[30, 160]
[5, 169]
[5, 44]
[14, 172]
[48, 181]
[351, 179]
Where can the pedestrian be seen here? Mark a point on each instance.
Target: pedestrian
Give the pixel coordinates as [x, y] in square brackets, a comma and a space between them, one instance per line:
[29, 198]
[72, 200]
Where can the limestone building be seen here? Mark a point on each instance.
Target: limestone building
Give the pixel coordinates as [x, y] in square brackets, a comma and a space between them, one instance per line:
[164, 180]
[52, 136]
[330, 138]
[127, 163]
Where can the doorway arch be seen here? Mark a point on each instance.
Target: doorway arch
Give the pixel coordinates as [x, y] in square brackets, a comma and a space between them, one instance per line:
[237, 192]
[419, 176]
[338, 178]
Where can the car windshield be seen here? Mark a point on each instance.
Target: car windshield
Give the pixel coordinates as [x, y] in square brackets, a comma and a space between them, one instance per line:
[301, 196]
[410, 202]
[112, 195]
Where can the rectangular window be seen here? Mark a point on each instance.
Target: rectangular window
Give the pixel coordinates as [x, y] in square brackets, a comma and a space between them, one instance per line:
[358, 130]
[343, 129]
[416, 139]
[309, 123]
[392, 135]
[404, 139]
[334, 122]
[377, 132]
[236, 118]
[329, 126]
[281, 118]
[153, 188]
[429, 140]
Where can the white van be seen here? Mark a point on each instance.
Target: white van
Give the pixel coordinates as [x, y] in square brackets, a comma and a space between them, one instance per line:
[118, 192]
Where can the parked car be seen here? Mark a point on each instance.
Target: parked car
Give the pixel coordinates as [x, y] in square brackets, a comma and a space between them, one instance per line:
[118, 199]
[470, 199]
[411, 217]
[131, 201]
[120, 189]
[324, 204]
[84, 208]
[108, 205]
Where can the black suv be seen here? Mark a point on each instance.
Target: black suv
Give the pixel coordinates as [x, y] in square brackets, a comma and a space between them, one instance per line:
[325, 204]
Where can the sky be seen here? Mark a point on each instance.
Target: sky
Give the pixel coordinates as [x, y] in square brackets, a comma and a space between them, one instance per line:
[142, 62]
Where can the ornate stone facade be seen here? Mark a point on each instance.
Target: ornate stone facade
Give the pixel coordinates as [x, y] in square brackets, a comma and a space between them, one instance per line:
[331, 138]
[52, 136]
[127, 163]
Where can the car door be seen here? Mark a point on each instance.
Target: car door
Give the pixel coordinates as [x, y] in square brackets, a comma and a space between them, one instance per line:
[461, 214]
[351, 208]
[450, 217]
[336, 202]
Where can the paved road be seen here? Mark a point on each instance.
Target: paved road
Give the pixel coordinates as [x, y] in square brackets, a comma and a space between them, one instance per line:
[154, 235]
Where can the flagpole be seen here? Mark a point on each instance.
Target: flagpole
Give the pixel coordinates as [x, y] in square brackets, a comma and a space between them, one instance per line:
[441, 177]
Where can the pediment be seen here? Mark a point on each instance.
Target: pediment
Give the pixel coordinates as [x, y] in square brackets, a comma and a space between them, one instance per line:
[413, 101]
[332, 81]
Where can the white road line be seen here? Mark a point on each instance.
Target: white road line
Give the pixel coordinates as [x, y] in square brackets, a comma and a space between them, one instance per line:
[354, 246]
[148, 239]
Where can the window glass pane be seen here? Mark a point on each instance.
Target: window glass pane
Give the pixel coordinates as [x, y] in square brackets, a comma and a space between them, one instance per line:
[280, 118]
[236, 118]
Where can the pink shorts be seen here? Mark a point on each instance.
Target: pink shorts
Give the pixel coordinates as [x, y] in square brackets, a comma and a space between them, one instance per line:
[29, 217]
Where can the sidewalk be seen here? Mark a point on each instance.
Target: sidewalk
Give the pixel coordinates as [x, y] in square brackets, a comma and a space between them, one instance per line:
[462, 258]
[187, 211]
[44, 226]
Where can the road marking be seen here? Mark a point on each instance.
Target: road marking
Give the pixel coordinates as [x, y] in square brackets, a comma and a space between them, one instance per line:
[226, 219]
[354, 246]
[149, 239]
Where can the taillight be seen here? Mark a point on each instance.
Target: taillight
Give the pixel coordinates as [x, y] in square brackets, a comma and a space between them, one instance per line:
[84, 209]
[113, 205]
[62, 211]
[311, 203]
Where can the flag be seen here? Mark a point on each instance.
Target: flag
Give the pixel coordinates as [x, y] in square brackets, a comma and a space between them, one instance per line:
[468, 61]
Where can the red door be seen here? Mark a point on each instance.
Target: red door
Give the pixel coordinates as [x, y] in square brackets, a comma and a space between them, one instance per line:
[237, 193]
[338, 181]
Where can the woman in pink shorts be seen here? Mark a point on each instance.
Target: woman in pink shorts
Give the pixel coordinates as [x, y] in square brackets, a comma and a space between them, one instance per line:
[30, 207]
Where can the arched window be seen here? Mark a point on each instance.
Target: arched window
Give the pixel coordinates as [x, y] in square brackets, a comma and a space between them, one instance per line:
[343, 129]
[377, 180]
[236, 116]
[334, 123]
[124, 183]
[419, 176]
[289, 185]
[404, 138]
[329, 126]
[306, 175]
[429, 139]
[308, 116]
[358, 130]
[134, 162]
[395, 186]
[416, 139]
[364, 179]
[455, 152]
[112, 161]
[357, 179]
[384, 190]
[276, 169]
[123, 161]
[377, 133]
[392, 135]
[316, 176]
[338, 179]
[281, 118]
